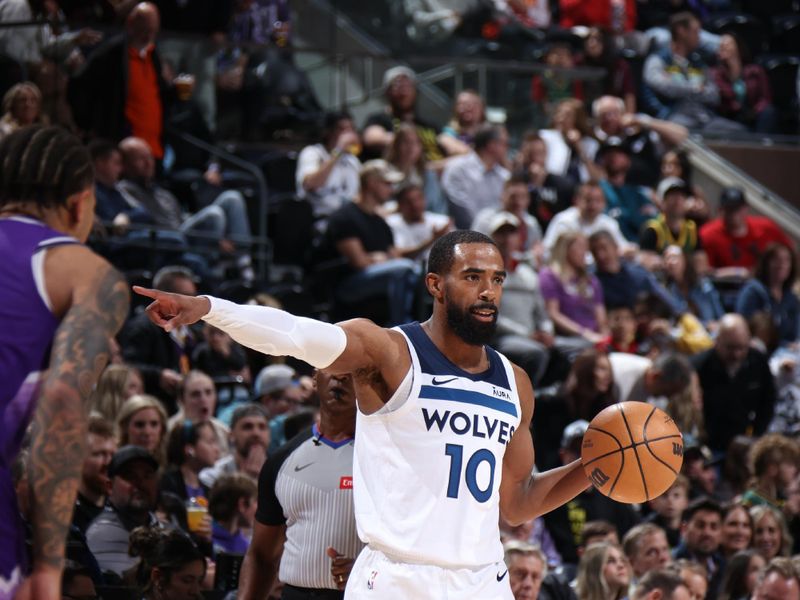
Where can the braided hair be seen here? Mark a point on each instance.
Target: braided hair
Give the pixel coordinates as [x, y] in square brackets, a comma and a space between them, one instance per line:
[43, 165]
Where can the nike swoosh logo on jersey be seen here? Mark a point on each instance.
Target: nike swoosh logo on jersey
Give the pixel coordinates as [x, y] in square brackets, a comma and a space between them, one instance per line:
[443, 381]
[299, 468]
[500, 577]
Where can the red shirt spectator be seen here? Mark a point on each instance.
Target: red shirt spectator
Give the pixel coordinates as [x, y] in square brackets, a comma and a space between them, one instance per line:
[736, 239]
[614, 15]
[143, 108]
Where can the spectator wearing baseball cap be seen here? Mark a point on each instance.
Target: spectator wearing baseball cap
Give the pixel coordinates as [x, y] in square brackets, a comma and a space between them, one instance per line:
[359, 234]
[671, 227]
[589, 505]
[629, 204]
[524, 329]
[400, 88]
[736, 238]
[131, 502]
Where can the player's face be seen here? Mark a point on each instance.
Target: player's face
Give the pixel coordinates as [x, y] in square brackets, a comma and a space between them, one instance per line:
[736, 530]
[652, 554]
[767, 537]
[95, 466]
[525, 574]
[702, 532]
[199, 398]
[472, 292]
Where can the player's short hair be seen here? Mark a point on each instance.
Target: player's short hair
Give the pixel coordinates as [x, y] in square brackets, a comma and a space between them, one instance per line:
[225, 495]
[440, 260]
[662, 579]
[701, 503]
[633, 538]
[43, 165]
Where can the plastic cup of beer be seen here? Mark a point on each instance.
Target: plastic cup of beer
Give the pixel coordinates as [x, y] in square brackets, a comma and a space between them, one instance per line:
[196, 510]
[184, 86]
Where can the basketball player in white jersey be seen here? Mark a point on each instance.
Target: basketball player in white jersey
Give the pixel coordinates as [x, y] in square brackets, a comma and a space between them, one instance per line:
[443, 441]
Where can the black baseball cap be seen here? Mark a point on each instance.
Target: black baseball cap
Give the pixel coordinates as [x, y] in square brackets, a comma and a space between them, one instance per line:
[732, 198]
[127, 454]
[610, 144]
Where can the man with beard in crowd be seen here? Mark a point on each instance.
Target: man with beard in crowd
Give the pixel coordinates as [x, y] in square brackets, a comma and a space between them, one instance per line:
[93, 486]
[250, 436]
[441, 417]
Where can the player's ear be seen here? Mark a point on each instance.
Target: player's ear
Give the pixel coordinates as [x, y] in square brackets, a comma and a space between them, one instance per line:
[435, 285]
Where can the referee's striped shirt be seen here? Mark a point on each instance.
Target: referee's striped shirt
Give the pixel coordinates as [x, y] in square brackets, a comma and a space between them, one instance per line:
[307, 485]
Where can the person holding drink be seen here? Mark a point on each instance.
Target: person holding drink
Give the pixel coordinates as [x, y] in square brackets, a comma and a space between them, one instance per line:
[191, 447]
[327, 172]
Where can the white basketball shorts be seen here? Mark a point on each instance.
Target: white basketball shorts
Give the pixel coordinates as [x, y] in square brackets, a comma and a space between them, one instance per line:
[375, 576]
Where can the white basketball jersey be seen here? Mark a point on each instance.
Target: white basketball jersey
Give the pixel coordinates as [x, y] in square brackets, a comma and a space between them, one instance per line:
[428, 464]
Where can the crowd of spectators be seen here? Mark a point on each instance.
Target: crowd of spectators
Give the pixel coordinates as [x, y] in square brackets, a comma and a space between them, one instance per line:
[625, 281]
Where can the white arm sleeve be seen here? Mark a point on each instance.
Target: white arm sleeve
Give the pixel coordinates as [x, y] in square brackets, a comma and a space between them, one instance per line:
[277, 332]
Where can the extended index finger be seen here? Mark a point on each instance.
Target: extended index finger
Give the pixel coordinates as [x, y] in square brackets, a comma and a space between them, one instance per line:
[143, 291]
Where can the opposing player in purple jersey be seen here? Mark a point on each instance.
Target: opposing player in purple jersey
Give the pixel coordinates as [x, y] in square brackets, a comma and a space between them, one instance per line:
[59, 306]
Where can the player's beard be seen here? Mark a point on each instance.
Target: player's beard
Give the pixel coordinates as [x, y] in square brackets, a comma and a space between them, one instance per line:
[469, 329]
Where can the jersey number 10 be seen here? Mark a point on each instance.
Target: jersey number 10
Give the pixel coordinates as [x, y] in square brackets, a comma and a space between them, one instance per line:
[456, 454]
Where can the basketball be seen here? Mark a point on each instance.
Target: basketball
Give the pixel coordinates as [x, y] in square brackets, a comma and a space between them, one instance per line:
[632, 452]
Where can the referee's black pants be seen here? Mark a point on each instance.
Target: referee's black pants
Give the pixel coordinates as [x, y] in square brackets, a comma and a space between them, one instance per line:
[291, 592]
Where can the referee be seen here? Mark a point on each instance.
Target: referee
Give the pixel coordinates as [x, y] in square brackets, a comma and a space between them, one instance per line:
[305, 520]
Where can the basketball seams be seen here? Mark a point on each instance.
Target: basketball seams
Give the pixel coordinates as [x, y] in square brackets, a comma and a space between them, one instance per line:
[620, 450]
[650, 450]
[599, 451]
[623, 448]
[635, 452]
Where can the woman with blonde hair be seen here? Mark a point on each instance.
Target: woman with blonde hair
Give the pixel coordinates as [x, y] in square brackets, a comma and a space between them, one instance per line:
[771, 535]
[142, 421]
[116, 384]
[22, 106]
[603, 573]
[573, 295]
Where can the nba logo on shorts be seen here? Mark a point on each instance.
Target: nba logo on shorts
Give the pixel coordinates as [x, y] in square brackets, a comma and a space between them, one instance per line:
[371, 580]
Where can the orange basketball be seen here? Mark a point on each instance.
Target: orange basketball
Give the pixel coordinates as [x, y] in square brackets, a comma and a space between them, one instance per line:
[632, 452]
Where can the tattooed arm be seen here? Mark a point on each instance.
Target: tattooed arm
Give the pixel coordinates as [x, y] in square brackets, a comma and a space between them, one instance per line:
[92, 299]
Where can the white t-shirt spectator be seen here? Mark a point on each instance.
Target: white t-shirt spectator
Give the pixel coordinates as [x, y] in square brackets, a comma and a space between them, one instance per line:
[570, 220]
[471, 187]
[558, 152]
[411, 235]
[341, 186]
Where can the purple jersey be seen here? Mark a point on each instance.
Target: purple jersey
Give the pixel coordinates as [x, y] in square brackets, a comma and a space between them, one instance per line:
[27, 327]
